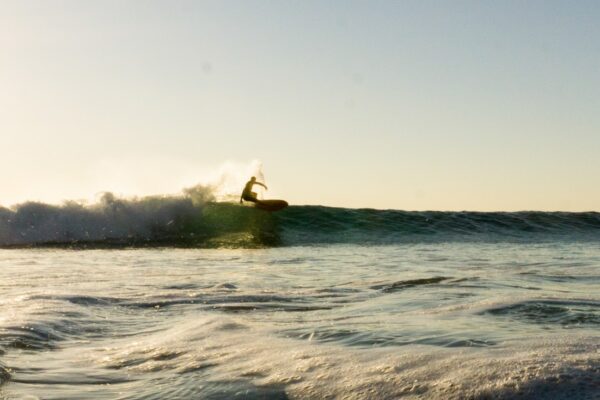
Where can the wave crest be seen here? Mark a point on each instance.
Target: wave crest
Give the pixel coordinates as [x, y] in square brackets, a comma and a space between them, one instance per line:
[195, 219]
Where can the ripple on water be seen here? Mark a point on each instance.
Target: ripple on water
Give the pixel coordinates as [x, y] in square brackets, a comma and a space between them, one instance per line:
[567, 313]
[400, 285]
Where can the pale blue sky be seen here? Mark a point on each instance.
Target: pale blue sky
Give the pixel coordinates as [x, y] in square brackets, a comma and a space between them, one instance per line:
[413, 105]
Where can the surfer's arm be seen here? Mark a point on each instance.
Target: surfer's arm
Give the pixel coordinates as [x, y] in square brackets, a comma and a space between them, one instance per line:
[261, 184]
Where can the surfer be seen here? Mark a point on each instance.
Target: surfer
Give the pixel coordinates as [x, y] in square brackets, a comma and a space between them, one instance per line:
[248, 194]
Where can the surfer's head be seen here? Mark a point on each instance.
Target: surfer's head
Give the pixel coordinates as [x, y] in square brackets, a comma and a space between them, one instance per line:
[253, 178]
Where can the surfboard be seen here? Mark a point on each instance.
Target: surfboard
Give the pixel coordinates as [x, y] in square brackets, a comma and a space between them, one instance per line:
[271, 205]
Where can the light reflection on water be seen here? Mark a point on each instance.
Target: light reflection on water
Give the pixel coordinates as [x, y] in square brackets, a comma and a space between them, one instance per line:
[200, 322]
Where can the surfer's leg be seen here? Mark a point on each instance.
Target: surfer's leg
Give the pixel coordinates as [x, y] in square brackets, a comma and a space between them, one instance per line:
[252, 197]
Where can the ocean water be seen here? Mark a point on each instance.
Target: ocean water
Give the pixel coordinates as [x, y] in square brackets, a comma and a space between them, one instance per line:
[171, 299]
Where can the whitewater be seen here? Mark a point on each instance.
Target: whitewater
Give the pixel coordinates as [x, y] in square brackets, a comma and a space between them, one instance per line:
[178, 297]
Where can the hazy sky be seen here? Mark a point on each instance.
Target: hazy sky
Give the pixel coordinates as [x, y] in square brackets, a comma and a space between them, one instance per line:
[457, 105]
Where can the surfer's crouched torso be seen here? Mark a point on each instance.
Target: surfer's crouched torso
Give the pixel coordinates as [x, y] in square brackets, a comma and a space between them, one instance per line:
[248, 195]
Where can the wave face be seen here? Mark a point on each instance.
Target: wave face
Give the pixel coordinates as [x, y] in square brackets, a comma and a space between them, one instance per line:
[187, 222]
[324, 224]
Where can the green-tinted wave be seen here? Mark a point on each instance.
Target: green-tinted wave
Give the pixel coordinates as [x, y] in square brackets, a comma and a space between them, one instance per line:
[181, 222]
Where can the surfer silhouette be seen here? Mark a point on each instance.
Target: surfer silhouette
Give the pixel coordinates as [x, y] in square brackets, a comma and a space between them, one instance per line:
[248, 194]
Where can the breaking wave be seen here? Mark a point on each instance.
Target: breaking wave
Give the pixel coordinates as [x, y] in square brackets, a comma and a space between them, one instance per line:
[196, 219]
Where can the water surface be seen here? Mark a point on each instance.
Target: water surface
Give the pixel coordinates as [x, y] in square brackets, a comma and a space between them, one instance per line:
[443, 319]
